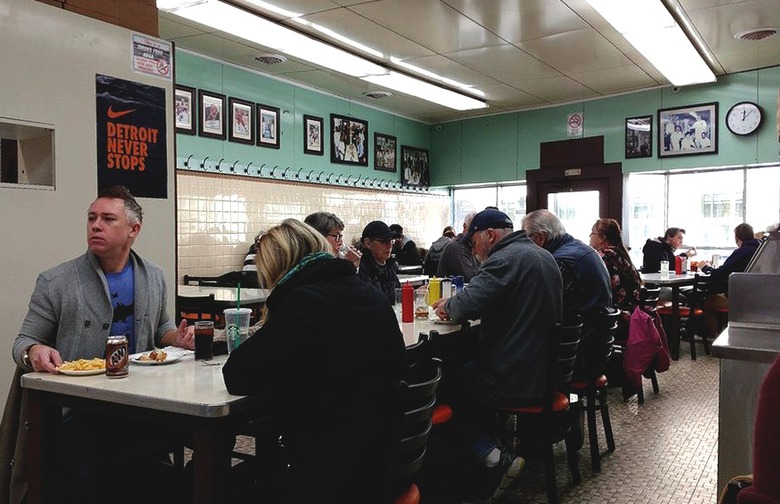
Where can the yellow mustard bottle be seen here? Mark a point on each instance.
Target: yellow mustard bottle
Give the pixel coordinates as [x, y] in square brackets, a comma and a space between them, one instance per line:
[434, 290]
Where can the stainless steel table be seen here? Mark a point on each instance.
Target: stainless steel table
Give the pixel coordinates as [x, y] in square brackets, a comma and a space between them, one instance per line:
[187, 394]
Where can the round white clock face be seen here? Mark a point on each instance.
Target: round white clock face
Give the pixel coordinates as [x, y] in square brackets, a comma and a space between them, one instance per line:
[743, 118]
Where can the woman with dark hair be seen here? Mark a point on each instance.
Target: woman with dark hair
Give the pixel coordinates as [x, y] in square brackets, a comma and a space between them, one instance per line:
[607, 238]
[329, 358]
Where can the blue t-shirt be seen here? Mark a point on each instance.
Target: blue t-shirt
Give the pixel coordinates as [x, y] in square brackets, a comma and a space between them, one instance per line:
[121, 287]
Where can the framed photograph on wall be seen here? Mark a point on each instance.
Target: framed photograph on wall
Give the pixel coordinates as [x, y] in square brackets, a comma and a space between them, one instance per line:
[268, 126]
[185, 109]
[211, 120]
[639, 137]
[348, 140]
[415, 168]
[686, 131]
[242, 127]
[312, 135]
[384, 152]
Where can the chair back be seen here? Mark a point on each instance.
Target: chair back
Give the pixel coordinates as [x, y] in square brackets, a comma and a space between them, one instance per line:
[600, 342]
[563, 354]
[648, 296]
[417, 357]
[418, 399]
[197, 308]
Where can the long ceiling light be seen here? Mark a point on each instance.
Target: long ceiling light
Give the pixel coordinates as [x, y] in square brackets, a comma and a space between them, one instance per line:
[241, 23]
[652, 30]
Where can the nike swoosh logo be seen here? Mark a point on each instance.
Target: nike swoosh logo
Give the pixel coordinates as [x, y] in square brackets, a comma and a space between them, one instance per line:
[114, 115]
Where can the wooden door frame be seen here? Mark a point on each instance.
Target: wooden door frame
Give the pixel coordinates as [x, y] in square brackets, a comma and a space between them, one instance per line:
[580, 179]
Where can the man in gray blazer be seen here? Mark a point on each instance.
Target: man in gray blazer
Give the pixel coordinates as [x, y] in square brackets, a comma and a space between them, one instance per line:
[108, 290]
[74, 308]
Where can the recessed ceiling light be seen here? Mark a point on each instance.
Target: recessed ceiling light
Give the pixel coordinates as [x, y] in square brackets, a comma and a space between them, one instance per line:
[377, 95]
[271, 59]
[756, 34]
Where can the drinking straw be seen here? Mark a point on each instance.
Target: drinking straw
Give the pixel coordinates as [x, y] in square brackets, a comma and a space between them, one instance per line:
[238, 297]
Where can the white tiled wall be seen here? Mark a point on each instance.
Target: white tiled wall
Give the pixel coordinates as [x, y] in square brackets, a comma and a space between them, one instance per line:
[218, 216]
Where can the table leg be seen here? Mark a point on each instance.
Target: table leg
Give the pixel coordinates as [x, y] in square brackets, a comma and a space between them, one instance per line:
[43, 449]
[211, 458]
[674, 324]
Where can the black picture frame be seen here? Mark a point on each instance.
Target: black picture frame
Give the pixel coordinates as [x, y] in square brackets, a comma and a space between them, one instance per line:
[242, 121]
[211, 120]
[185, 109]
[689, 130]
[415, 167]
[348, 140]
[268, 130]
[385, 152]
[639, 137]
[312, 135]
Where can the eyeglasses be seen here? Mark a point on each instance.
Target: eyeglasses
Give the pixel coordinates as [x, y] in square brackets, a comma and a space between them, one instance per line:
[336, 236]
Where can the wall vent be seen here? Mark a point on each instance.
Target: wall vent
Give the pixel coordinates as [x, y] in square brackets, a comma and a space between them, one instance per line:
[270, 59]
[756, 34]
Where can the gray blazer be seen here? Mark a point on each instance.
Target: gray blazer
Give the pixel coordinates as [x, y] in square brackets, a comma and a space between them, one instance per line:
[70, 309]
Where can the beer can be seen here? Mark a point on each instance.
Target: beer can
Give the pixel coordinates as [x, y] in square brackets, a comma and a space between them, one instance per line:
[117, 358]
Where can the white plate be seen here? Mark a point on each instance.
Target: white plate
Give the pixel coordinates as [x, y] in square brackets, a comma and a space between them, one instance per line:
[82, 372]
[437, 320]
[172, 357]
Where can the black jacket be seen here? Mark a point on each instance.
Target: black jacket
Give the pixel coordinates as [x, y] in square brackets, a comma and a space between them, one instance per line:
[655, 251]
[332, 349]
[737, 262]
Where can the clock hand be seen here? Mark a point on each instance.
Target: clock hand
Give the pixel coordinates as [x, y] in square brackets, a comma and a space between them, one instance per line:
[745, 114]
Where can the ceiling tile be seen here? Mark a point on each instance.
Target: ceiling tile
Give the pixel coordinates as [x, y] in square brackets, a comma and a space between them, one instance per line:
[616, 80]
[577, 51]
[431, 23]
[505, 63]
[557, 89]
[521, 20]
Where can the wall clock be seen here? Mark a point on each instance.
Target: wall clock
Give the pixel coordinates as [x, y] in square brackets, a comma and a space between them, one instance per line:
[744, 118]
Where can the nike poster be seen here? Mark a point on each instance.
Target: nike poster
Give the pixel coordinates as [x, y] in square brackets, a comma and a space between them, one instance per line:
[131, 137]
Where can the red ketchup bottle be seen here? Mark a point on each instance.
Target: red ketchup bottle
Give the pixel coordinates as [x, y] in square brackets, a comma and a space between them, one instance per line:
[407, 303]
[678, 265]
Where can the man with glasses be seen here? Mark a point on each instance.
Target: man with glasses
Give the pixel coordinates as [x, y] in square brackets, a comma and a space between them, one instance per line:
[376, 265]
[332, 228]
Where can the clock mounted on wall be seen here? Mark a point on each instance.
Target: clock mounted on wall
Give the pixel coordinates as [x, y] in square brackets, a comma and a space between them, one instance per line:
[744, 118]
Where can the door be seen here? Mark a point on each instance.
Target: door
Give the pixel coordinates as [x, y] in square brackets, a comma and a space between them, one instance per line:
[578, 196]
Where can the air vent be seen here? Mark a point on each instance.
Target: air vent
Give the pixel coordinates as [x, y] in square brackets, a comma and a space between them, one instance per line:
[270, 59]
[377, 95]
[756, 34]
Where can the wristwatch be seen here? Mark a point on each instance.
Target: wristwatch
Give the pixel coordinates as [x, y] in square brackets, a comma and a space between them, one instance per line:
[26, 357]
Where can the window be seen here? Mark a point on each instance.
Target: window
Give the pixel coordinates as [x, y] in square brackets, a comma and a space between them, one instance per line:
[510, 199]
[26, 154]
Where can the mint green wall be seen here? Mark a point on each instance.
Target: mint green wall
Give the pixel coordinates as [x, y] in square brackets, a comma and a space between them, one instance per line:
[502, 147]
[294, 102]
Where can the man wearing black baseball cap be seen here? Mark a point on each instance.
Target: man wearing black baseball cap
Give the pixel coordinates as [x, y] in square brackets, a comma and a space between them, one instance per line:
[517, 295]
[376, 265]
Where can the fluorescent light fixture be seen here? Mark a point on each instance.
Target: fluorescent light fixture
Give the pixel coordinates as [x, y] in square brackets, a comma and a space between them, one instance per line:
[240, 23]
[652, 30]
[431, 75]
[341, 38]
[426, 91]
[274, 8]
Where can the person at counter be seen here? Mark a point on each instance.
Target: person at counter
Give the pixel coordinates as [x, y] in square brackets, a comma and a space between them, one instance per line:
[662, 249]
[718, 281]
[586, 286]
[332, 228]
[457, 257]
[432, 258]
[404, 249]
[330, 347]
[517, 295]
[75, 306]
[376, 265]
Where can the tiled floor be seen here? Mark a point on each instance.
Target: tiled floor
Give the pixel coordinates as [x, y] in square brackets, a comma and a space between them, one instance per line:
[667, 448]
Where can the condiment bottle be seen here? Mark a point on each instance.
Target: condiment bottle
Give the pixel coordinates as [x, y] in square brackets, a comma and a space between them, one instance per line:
[407, 303]
[434, 290]
[678, 265]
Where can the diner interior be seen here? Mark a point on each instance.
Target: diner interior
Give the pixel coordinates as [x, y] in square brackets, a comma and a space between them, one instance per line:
[553, 108]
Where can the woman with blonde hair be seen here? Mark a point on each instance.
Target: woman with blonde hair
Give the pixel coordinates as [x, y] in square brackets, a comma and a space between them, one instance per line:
[331, 354]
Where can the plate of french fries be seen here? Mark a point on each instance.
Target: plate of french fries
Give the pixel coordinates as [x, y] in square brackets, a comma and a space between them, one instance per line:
[83, 367]
[157, 356]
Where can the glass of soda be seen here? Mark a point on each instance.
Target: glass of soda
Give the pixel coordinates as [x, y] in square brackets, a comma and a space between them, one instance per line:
[204, 340]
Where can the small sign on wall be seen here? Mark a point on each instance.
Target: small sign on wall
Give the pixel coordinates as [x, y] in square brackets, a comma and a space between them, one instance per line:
[131, 136]
[151, 56]
[574, 125]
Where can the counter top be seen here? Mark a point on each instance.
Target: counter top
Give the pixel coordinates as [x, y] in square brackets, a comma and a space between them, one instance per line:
[753, 344]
